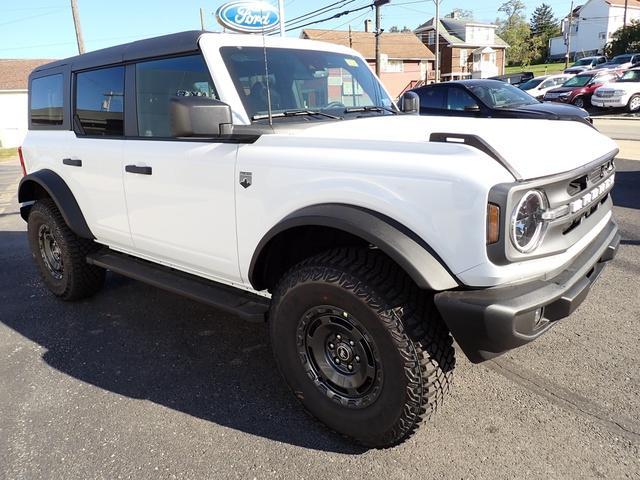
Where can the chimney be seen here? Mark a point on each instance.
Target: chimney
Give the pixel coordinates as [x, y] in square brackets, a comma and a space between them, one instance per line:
[367, 25]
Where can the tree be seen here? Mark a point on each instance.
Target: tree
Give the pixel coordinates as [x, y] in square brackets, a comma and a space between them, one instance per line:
[624, 40]
[461, 13]
[395, 29]
[516, 32]
[544, 25]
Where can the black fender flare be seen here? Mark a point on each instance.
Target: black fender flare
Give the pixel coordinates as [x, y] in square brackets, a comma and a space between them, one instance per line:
[60, 193]
[403, 245]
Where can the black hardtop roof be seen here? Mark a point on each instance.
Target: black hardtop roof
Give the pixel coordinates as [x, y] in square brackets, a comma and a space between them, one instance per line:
[171, 44]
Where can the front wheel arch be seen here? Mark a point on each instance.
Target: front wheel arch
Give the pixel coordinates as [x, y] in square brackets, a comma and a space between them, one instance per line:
[351, 226]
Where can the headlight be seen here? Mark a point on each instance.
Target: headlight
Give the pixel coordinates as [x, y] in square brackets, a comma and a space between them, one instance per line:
[565, 95]
[618, 93]
[527, 225]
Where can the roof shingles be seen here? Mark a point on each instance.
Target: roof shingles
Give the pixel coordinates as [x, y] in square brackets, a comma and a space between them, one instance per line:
[14, 73]
[396, 45]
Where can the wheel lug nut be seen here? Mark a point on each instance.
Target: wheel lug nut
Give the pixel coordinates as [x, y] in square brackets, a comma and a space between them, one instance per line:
[337, 360]
[350, 367]
[351, 343]
[331, 346]
[339, 337]
[357, 358]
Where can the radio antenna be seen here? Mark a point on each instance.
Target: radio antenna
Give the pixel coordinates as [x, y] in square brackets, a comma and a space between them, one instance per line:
[266, 72]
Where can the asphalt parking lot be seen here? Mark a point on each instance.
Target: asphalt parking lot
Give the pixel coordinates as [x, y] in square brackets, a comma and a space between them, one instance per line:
[139, 383]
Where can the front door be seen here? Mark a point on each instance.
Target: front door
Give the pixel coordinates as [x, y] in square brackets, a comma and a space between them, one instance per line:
[179, 192]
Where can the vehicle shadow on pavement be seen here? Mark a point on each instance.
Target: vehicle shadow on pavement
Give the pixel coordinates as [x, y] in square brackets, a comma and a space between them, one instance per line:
[144, 343]
[625, 194]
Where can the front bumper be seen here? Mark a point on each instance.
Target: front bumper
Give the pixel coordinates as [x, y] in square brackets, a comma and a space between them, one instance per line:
[609, 102]
[489, 322]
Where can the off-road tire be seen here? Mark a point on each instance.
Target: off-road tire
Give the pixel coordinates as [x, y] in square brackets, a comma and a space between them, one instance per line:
[635, 99]
[77, 278]
[415, 347]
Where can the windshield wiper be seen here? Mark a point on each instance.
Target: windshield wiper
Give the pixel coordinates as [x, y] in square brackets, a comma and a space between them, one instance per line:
[294, 113]
[370, 108]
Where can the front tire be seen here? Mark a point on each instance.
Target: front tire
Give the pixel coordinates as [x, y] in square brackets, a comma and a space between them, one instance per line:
[579, 102]
[360, 345]
[634, 104]
[61, 255]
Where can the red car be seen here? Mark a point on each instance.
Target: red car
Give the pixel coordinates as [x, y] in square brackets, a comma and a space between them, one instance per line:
[579, 89]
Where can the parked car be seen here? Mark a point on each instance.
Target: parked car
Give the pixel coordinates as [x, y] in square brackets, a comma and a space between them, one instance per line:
[241, 171]
[514, 78]
[622, 62]
[586, 63]
[624, 92]
[489, 99]
[538, 86]
[579, 89]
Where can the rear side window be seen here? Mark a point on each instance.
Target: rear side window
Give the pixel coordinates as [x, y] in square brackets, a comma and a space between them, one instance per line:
[100, 102]
[157, 81]
[432, 98]
[47, 100]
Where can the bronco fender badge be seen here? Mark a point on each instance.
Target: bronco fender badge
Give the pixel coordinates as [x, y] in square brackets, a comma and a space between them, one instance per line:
[245, 179]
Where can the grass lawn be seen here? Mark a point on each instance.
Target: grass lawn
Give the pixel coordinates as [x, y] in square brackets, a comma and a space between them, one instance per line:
[541, 69]
[7, 153]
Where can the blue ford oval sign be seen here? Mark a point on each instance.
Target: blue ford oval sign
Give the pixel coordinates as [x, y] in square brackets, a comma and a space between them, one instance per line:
[248, 17]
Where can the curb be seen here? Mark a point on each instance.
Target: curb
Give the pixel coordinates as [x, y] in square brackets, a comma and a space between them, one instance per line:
[611, 117]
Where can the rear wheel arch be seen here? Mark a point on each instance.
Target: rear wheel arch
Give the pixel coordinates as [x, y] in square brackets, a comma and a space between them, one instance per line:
[312, 230]
[48, 184]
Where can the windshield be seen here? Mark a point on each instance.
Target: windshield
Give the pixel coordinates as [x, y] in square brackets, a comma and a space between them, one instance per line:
[302, 80]
[533, 83]
[582, 62]
[501, 95]
[630, 76]
[577, 81]
[620, 59]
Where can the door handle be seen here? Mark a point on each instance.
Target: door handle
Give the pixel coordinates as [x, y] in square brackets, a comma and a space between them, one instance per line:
[74, 162]
[138, 170]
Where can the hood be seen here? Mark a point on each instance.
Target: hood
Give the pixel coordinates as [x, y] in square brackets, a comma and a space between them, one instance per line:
[626, 86]
[576, 69]
[553, 110]
[535, 148]
[564, 89]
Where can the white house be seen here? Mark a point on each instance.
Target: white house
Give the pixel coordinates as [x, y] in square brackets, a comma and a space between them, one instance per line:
[592, 26]
[14, 75]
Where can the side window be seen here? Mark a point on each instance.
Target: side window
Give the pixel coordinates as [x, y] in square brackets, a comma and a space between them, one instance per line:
[99, 102]
[548, 84]
[459, 99]
[602, 60]
[432, 98]
[47, 100]
[157, 81]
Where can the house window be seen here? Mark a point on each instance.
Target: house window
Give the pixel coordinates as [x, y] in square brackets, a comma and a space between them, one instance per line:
[394, 66]
[463, 57]
[431, 37]
[602, 35]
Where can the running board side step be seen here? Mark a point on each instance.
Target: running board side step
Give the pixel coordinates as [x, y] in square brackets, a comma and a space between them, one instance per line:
[247, 305]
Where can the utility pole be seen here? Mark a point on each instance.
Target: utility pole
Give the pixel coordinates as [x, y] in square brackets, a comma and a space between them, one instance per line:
[76, 22]
[437, 63]
[378, 4]
[202, 19]
[281, 15]
[566, 57]
[350, 39]
[624, 21]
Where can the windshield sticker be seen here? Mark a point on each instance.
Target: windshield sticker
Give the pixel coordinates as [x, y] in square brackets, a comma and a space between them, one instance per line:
[351, 62]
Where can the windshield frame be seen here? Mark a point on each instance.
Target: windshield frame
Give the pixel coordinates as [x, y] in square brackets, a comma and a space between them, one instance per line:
[298, 70]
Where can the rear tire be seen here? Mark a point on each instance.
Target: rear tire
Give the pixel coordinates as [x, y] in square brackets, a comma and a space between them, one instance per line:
[634, 104]
[360, 345]
[61, 255]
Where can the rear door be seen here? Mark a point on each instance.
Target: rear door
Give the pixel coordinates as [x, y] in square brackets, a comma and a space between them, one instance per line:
[179, 191]
[93, 163]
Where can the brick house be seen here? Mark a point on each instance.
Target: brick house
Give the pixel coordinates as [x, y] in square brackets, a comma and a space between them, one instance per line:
[468, 49]
[404, 59]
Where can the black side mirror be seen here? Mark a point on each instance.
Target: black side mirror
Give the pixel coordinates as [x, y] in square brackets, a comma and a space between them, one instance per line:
[410, 103]
[199, 117]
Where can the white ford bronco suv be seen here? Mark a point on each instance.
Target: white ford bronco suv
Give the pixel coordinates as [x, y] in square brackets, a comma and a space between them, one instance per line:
[276, 179]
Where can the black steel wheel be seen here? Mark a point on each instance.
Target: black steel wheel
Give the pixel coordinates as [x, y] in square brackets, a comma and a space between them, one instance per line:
[60, 254]
[340, 356]
[361, 347]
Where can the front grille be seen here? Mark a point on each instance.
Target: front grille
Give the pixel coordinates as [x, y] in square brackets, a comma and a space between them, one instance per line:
[608, 94]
